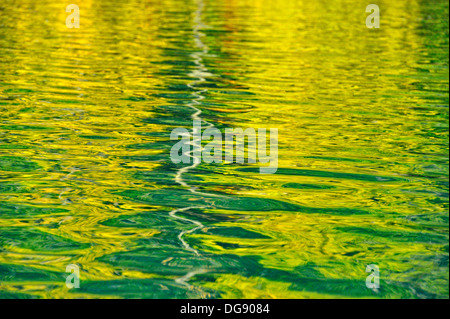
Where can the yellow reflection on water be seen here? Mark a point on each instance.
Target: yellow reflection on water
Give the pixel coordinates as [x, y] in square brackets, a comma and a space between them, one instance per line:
[362, 147]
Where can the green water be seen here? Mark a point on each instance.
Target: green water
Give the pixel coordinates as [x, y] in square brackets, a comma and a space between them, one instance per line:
[86, 177]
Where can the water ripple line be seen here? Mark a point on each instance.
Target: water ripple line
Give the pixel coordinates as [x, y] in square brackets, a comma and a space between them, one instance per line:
[200, 74]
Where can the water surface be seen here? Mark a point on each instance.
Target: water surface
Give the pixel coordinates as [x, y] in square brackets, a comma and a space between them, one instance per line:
[86, 177]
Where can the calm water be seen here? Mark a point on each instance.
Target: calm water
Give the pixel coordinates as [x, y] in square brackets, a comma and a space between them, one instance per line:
[86, 178]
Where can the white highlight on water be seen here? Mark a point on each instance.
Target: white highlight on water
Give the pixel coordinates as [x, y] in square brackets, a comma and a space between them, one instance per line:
[200, 73]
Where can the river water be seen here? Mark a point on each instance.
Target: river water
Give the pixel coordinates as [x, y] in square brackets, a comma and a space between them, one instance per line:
[86, 176]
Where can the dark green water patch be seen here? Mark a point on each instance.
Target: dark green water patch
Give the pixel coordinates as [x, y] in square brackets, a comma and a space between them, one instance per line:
[134, 98]
[307, 186]
[138, 288]
[17, 164]
[151, 220]
[15, 295]
[9, 210]
[14, 147]
[170, 120]
[434, 220]
[211, 218]
[397, 235]
[14, 273]
[18, 90]
[167, 259]
[36, 240]
[7, 188]
[21, 127]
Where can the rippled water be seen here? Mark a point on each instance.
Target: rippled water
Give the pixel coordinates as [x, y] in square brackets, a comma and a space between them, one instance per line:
[86, 177]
